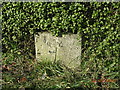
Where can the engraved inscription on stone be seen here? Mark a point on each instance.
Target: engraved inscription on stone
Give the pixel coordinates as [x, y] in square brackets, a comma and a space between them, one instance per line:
[66, 49]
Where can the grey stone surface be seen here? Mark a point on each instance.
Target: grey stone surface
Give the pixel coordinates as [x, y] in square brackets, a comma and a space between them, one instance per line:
[66, 49]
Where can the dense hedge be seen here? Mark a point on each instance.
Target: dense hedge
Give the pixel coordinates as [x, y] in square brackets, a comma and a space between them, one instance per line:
[98, 23]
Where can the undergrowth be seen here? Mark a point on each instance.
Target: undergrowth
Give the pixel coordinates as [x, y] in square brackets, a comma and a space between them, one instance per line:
[22, 72]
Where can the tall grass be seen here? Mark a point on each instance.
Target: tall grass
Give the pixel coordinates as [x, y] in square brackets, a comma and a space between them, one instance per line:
[22, 72]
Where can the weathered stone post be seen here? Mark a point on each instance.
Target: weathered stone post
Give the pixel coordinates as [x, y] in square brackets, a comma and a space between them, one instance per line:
[66, 49]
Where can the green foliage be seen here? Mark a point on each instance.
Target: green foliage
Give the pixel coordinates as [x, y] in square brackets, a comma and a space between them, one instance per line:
[98, 23]
[17, 31]
[21, 20]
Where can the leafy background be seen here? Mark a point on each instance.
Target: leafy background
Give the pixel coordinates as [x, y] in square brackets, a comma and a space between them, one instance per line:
[97, 23]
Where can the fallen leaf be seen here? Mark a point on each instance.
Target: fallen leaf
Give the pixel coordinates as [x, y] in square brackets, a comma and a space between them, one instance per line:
[23, 79]
[5, 67]
[13, 63]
